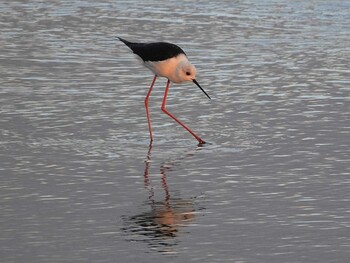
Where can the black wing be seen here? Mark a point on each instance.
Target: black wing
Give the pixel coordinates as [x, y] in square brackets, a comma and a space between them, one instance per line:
[157, 51]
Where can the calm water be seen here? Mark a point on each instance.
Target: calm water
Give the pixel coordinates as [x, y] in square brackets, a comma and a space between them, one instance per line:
[79, 181]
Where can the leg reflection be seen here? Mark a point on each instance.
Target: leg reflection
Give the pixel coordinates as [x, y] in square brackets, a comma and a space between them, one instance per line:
[166, 216]
[171, 213]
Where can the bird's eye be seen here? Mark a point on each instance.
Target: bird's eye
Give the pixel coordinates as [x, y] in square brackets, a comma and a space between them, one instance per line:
[188, 73]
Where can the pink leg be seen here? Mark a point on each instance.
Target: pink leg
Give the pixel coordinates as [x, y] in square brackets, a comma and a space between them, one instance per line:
[146, 105]
[173, 117]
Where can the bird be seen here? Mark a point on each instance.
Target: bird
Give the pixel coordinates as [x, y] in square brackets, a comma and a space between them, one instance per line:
[165, 60]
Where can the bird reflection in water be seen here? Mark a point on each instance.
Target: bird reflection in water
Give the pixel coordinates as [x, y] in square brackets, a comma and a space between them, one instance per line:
[162, 224]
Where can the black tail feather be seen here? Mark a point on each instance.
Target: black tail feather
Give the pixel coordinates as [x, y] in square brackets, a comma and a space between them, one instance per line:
[125, 41]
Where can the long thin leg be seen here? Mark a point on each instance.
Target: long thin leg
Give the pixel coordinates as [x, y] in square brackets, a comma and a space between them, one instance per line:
[146, 105]
[173, 117]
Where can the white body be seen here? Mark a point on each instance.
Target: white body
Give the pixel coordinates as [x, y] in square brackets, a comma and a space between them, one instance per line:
[177, 69]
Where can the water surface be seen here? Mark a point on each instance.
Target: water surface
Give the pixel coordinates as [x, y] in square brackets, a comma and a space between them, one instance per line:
[79, 180]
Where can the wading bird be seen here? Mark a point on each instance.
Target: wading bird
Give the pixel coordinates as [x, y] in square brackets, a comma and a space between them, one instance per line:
[169, 61]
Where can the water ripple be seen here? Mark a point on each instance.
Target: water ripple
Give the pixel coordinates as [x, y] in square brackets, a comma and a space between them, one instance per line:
[79, 180]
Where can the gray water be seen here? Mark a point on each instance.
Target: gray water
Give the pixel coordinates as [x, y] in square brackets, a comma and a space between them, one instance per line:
[80, 182]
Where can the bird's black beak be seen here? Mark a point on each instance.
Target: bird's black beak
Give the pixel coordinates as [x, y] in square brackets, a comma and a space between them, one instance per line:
[195, 82]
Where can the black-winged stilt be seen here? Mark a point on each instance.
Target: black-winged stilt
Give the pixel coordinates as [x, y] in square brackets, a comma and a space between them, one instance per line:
[169, 61]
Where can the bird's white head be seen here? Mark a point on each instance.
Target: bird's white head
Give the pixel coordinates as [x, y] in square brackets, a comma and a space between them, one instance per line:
[184, 71]
[177, 70]
[187, 72]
